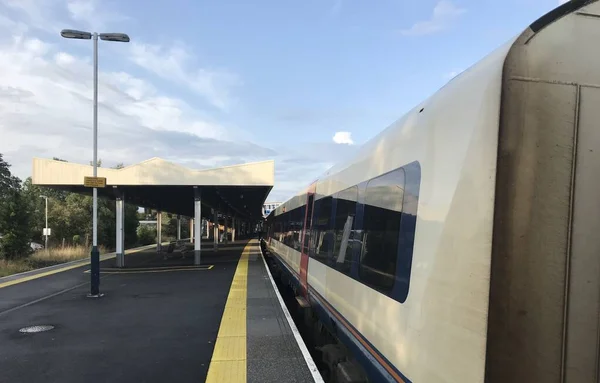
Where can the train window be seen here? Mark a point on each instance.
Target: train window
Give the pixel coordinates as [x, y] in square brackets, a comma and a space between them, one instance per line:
[278, 228]
[288, 226]
[311, 237]
[384, 197]
[343, 229]
[301, 226]
[309, 210]
[284, 227]
[297, 217]
[321, 232]
[291, 227]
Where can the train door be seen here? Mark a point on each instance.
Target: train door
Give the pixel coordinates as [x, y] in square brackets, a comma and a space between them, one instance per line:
[306, 230]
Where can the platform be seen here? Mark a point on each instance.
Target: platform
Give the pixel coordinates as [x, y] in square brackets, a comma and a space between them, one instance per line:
[160, 320]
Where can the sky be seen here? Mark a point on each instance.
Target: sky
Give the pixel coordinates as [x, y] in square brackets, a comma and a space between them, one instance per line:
[214, 83]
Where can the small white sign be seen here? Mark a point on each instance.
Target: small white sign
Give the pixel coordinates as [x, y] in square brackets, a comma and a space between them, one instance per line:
[44, 230]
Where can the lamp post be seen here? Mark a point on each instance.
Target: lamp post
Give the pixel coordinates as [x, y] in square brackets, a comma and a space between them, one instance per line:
[46, 230]
[95, 255]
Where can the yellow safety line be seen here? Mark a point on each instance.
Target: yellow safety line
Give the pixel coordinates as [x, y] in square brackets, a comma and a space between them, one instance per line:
[228, 363]
[69, 267]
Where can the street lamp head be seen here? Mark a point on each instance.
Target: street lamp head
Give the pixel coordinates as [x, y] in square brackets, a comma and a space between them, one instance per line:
[121, 37]
[74, 34]
[43, 196]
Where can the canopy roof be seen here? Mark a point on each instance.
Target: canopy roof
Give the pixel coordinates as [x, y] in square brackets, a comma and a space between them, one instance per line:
[238, 190]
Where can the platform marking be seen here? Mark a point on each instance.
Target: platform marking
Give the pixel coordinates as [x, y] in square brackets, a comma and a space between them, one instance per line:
[68, 266]
[310, 363]
[186, 267]
[228, 363]
[42, 298]
[153, 270]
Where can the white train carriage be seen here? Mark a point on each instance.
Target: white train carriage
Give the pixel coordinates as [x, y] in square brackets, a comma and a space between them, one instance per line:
[462, 243]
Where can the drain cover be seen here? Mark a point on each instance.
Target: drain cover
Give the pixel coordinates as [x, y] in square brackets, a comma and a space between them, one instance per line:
[41, 328]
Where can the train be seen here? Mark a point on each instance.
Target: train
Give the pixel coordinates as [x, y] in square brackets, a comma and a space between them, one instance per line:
[462, 243]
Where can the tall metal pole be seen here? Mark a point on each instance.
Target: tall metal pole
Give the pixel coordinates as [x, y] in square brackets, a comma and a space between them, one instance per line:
[198, 227]
[95, 255]
[46, 242]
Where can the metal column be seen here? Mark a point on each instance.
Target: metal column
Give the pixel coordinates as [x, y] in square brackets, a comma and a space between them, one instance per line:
[120, 239]
[158, 231]
[198, 228]
[233, 229]
[226, 226]
[191, 230]
[95, 254]
[216, 230]
[178, 227]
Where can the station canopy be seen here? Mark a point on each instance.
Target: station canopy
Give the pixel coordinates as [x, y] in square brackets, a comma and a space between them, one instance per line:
[238, 190]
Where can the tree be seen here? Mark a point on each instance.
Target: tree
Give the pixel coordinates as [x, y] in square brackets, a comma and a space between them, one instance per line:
[146, 234]
[185, 227]
[131, 225]
[36, 207]
[70, 217]
[107, 224]
[170, 229]
[22, 216]
[7, 180]
[14, 225]
[14, 216]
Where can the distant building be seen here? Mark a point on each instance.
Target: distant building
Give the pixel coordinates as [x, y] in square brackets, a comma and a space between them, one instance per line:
[269, 207]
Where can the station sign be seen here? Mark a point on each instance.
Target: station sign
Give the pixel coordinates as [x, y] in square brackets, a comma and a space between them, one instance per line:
[94, 182]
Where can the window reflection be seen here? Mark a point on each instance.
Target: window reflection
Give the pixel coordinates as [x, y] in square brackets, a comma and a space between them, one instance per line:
[384, 197]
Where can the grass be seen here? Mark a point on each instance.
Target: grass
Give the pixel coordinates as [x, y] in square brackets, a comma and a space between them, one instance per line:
[41, 258]
[13, 267]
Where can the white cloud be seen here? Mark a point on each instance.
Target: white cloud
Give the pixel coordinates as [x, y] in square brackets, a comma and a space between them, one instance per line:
[63, 59]
[444, 13]
[46, 104]
[46, 98]
[38, 14]
[46, 110]
[81, 10]
[560, 2]
[36, 47]
[343, 138]
[174, 63]
[94, 17]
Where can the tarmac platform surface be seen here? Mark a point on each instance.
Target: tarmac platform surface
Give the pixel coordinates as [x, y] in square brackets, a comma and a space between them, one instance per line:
[160, 320]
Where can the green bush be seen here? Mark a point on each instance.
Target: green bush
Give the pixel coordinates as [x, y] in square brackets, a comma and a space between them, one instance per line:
[14, 226]
[146, 235]
[76, 239]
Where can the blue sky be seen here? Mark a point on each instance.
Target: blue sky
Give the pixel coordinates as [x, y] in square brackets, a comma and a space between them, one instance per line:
[213, 83]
